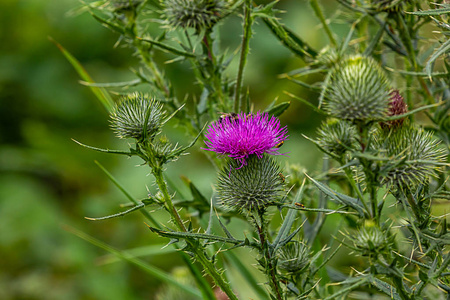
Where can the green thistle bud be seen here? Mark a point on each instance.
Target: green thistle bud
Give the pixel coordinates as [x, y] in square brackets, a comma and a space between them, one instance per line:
[415, 156]
[337, 137]
[370, 240]
[129, 116]
[358, 90]
[250, 187]
[294, 257]
[197, 14]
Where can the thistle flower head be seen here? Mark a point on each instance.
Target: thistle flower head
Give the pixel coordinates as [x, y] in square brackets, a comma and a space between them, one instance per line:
[337, 137]
[397, 106]
[252, 187]
[244, 135]
[358, 90]
[197, 14]
[137, 116]
[294, 257]
[415, 156]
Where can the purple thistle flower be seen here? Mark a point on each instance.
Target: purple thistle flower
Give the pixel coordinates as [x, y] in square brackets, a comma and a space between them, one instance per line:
[240, 136]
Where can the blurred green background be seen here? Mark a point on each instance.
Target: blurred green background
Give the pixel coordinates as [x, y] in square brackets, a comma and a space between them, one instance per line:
[47, 181]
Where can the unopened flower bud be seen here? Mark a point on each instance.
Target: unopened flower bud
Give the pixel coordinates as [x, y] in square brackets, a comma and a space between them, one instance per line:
[137, 116]
[397, 106]
[337, 137]
[370, 240]
[358, 90]
[250, 187]
[414, 155]
[294, 257]
[197, 14]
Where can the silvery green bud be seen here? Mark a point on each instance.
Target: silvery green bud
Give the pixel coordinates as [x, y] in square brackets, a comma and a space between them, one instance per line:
[370, 239]
[358, 90]
[337, 137]
[415, 156]
[294, 257]
[197, 14]
[129, 116]
[250, 187]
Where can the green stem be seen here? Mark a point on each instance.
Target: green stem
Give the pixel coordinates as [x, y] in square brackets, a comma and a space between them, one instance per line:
[214, 73]
[400, 288]
[269, 267]
[318, 11]
[159, 81]
[240, 105]
[198, 253]
[352, 182]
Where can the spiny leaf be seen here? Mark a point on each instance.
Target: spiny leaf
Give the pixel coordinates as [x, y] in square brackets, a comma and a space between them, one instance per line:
[194, 236]
[132, 152]
[168, 48]
[289, 38]
[341, 198]
[445, 47]
[277, 110]
[113, 84]
[141, 205]
[288, 220]
[431, 12]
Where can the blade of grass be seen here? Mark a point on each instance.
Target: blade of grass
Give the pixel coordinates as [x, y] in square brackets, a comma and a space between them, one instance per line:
[246, 274]
[135, 261]
[101, 94]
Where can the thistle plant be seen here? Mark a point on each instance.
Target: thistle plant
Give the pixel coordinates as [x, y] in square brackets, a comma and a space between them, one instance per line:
[384, 171]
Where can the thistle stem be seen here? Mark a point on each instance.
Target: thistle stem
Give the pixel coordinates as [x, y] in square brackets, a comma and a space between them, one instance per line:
[269, 266]
[356, 188]
[214, 74]
[199, 254]
[248, 21]
[318, 11]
